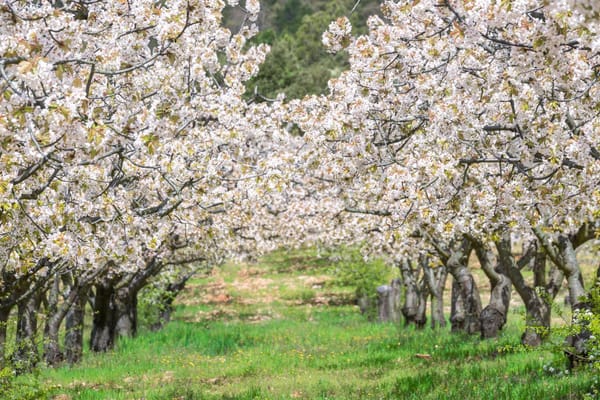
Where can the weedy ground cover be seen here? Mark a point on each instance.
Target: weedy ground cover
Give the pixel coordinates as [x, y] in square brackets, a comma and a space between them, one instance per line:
[286, 329]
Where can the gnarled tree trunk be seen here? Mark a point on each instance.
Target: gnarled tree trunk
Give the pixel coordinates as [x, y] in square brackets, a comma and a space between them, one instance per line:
[415, 296]
[562, 253]
[102, 337]
[579, 299]
[464, 290]
[125, 300]
[493, 316]
[537, 298]
[64, 300]
[435, 278]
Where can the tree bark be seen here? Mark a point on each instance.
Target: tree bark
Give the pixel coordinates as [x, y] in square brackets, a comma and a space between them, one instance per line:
[389, 301]
[4, 314]
[104, 318]
[435, 278]
[457, 309]
[579, 300]
[171, 291]
[570, 267]
[395, 300]
[465, 288]
[26, 354]
[562, 254]
[52, 353]
[16, 289]
[125, 298]
[493, 316]
[125, 304]
[383, 302]
[74, 319]
[415, 298]
[421, 319]
[537, 298]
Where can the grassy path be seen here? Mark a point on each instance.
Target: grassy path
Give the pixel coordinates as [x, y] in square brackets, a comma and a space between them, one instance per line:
[283, 330]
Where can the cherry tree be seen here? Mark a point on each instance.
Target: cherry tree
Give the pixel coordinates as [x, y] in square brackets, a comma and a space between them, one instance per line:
[126, 149]
[468, 120]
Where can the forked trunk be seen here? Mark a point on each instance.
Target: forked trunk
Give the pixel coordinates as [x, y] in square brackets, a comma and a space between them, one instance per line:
[493, 316]
[537, 298]
[415, 296]
[464, 290]
[570, 266]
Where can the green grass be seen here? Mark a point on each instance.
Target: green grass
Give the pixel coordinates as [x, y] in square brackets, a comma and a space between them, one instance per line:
[291, 347]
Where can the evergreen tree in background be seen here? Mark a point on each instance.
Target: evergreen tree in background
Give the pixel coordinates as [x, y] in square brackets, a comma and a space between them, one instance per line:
[298, 63]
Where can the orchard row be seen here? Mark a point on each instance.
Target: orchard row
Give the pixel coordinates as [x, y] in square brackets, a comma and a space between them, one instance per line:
[129, 155]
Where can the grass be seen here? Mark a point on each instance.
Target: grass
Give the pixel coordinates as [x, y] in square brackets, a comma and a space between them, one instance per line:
[267, 332]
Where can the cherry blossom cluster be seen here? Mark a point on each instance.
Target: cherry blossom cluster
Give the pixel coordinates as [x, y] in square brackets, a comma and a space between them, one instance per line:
[124, 135]
[463, 117]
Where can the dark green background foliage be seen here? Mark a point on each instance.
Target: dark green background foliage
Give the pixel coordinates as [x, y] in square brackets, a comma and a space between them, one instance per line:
[298, 64]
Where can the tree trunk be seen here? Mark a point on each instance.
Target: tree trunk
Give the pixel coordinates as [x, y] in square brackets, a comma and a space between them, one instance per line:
[537, 298]
[466, 289]
[389, 301]
[52, 353]
[171, 291]
[4, 314]
[104, 319]
[562, 254]
[435, 278]
[383, 303]
[493, 316]
[457, 309]
[539, 308]
[579, 300]
[125, 300]
[421, 319]
[26, 354]
[71, 292]
[395, 300]
[74, 331]
[166, 309]
[415, 300]
[570, 266]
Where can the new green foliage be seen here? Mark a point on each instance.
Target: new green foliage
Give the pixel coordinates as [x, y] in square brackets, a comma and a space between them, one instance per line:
[353, 270]
[298, 64]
